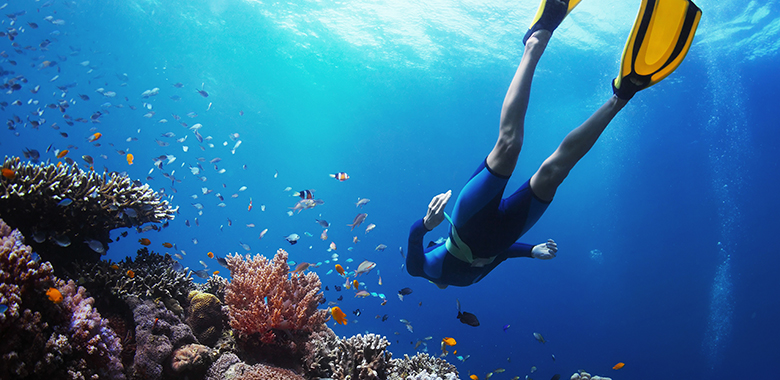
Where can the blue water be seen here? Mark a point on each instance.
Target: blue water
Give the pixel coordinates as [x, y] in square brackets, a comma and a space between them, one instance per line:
[678, 195]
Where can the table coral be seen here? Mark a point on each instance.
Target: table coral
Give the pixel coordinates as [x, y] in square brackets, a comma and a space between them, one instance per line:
[69, 212]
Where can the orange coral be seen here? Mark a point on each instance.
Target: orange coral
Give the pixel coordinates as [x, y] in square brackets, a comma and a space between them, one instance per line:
[263, 297]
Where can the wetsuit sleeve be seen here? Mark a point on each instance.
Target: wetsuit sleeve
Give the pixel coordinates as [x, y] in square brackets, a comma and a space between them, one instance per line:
[520, 250]
[415, 253]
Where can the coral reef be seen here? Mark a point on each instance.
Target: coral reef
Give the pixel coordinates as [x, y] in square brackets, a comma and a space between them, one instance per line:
[582, 375]
[362, 357]
[320, 353]
[59, 336]
[204, 315]
[158, 331]
[424, 375]
[154, 277]
[60, 206]
[192, 361]
[263, 297]
[228, 366]
[423, 365]
[215, 285]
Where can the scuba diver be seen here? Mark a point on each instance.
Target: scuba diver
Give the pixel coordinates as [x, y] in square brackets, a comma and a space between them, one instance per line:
[484, 227]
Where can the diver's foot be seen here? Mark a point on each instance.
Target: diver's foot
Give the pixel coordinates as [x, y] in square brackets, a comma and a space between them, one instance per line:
[549, 15]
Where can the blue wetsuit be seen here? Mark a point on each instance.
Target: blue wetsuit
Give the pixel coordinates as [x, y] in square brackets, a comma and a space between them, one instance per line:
[485, 226]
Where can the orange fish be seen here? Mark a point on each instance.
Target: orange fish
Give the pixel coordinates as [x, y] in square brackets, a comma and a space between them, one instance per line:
[94, 137]
[250, 205]
[340, 269]
[210, 255]
[144, 241]
[62, 153]
[167, 245]
[341, 176]
[129, 158]
[355, 240]
[216, 272]
[338, 315]
[8, 173]
[473, 377]
[324, 235]
[449, 341]
[333, 246]
[130, 273]
[300, 268]
[355, 284]
[54, 295]
[114, 267]
[619, 365]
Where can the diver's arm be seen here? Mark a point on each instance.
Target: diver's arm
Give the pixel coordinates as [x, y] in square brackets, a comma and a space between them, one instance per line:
[435, 214]
[415, 252]
[544, 251]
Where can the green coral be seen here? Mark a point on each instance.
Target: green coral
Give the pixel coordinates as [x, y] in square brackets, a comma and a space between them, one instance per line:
[205, 317]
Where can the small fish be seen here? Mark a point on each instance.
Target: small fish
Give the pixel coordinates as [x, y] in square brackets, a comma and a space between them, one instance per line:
[305, 194]
[300, 268]
[54, 295]
[222, 261]
[62, 153]
[466, 317]
[557, 376]
[338, 315]
[263, 232]
[130, 273]
[9, 173]
[533, 369]
[365, 267]
[62, 241]
[339, 270]
[449, 341]
[539, 337]
[355, 284]
[362, 294]
[618, 366]
[292, 238]
[96, 246]
[245, 246]
[474, 377]
[324, 234]
[167, 245]
[356, 312]
[380, 247]
[178, 256]
[323, 223]
[332, 246]
[204, 274]
[404, 292]
[129, 158]
[370, 227]
[210, 255]
[506, 327]
[88, 159]
[95, 136]
[203, 93]
[341, 176]
[359, 218]
[144, 241]
[362, 202]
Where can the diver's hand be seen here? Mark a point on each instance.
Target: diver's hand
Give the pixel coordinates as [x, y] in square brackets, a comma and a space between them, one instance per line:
[545, 251]
[435, 214]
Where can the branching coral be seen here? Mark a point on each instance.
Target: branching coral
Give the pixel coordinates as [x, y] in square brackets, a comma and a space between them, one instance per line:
[582, 375]
[69, 212]
[362, 358]
[229, 366]
[421, 365]
[263, 297]
[320, 352]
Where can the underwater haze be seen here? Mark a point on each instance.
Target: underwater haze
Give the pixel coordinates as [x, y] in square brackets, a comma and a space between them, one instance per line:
[666, 259]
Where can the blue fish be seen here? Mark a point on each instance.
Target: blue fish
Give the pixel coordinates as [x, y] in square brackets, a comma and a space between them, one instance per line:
[65, 202]
[506, 327]
[3, 308]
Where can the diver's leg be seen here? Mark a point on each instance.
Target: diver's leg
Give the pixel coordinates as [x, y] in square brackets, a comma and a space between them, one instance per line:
[503, 158]
[555, 168]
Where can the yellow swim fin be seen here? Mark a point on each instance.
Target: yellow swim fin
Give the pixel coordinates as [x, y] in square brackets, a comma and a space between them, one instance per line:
[549, 15]
[661, 37]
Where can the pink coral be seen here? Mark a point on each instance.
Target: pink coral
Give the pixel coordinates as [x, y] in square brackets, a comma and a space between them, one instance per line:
[263, 297]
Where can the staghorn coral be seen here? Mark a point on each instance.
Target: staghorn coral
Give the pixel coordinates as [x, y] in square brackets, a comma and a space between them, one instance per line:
[263, 297]
[61, 233]
[320, 353]
[582, 375]
[204, 315]
[362, 357]
[158, 331]
[154, 278]
[422, 366]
